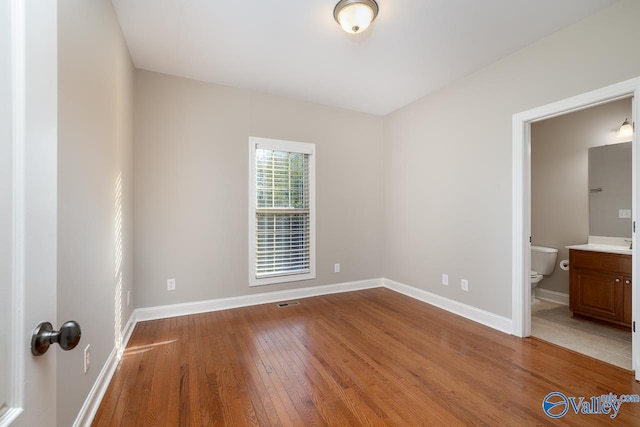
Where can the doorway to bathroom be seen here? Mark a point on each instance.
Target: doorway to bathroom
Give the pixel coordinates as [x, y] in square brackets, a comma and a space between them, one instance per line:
[534, 220]
[581, 191]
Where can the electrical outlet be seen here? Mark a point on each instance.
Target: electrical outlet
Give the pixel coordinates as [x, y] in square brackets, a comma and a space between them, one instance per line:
[128, 298]
[336, 268]
[87, 358]
[464, 285]
[171, 284]
[445, 279]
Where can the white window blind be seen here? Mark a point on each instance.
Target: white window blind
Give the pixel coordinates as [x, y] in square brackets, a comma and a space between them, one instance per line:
[282, 245]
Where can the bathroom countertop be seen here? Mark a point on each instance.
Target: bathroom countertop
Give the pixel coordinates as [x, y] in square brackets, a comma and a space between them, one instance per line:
[602, 248]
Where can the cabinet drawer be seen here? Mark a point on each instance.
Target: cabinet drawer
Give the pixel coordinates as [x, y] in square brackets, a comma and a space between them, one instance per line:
[600, 261]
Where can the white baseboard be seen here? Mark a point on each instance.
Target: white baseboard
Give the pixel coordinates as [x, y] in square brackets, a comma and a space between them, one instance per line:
[486, 318]
[553, 296]
[92, 402]
[164, 311]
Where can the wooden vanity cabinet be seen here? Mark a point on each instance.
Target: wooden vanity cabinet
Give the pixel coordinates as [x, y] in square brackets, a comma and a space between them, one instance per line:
[600, 286]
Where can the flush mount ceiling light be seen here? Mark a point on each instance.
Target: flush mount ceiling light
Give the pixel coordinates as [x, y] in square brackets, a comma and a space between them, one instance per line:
[354, 16]
[626, 130]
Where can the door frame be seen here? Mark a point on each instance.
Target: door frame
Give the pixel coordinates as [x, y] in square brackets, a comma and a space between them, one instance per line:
[17, 143]
[521, 197]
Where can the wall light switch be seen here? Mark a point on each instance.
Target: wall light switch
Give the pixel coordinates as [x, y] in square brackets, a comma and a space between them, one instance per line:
[336, 268]
[624, 213]
[464, 285]
[445, 279]
[171, 284]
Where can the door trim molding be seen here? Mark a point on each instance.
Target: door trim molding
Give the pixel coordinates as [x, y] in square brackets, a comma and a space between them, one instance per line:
[521, 194]
[17, 346]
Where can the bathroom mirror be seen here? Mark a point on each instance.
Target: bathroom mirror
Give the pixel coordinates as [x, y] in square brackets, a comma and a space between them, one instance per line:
[610, 190]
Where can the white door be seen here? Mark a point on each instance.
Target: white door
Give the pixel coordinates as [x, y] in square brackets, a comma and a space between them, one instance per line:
[28, 169]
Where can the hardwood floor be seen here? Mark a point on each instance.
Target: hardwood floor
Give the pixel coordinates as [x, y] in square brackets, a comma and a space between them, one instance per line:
[371, 357]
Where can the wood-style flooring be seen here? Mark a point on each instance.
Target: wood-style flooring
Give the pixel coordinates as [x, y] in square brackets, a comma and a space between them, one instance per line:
[372, 357]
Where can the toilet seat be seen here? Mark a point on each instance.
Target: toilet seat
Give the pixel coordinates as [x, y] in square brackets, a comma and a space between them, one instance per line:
[533, 274]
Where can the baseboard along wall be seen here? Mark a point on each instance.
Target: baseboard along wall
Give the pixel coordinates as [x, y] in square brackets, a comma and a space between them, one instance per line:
[553, 296]
[92, 403]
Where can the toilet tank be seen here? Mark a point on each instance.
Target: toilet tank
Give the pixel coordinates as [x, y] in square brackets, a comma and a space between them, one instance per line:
[543, 259]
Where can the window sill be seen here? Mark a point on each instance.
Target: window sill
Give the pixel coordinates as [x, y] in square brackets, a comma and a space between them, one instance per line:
[274, 280]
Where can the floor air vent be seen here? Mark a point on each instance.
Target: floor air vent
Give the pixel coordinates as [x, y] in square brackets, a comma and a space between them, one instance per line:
[288, 304]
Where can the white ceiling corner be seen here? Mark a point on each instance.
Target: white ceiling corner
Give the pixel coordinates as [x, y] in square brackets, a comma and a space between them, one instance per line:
[294, 48]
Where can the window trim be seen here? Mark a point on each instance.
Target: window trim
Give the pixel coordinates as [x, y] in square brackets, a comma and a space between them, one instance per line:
[295, 147]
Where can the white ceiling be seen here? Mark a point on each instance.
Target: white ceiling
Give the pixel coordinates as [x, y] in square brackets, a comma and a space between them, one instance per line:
[294, 48]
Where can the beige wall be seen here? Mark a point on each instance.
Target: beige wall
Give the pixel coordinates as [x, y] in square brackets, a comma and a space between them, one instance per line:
[560, 178]
[191, 187]
[448, 157]
[421, 192]
[95, 78]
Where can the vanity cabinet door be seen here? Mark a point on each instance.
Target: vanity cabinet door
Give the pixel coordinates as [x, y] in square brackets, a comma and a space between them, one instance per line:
[597, 294]
[627, 300]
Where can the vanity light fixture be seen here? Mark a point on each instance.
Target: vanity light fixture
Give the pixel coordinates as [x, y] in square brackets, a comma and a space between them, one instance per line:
[626, 130]
[354, 16]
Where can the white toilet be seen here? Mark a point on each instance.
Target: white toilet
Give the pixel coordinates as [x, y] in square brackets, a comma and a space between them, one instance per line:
[543, 262]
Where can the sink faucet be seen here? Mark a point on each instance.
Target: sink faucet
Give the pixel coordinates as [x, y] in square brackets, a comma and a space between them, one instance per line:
[630, 243]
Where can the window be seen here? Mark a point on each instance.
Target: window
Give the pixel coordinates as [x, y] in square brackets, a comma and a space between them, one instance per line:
[282, 211]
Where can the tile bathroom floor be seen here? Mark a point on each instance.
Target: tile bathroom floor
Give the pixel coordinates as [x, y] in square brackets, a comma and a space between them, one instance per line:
[553, 323]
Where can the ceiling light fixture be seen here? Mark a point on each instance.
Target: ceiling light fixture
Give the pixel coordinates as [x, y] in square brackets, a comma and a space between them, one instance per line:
[354, 16]
[626, 130]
